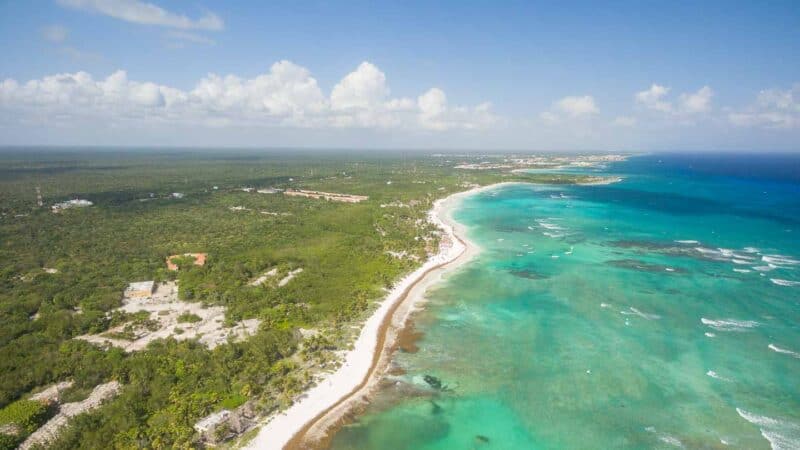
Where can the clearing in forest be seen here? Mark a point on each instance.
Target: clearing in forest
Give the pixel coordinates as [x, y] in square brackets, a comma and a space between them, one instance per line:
[166, 316]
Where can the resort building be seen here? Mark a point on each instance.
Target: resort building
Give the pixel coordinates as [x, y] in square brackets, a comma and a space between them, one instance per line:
[209, 423]
[140, 289]
[223, 425]
[77, 203]
[347, 198]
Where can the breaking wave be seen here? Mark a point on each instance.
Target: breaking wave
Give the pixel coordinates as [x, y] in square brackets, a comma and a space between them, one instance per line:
[781, 435]
[788, 283]
[665, 438]
[779, 260]
[548, 225]
[717, 376]
[729, 324]
[777, 349]
[635, 312]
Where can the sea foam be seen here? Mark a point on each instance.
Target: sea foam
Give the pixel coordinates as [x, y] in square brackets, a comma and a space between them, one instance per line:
[665, 438]
[635, 312]
[777, 349]
[787, 283]
[729, 324]
[549, 226]
[779, 260]
[781, 435]
[717, 376]
[716, 255]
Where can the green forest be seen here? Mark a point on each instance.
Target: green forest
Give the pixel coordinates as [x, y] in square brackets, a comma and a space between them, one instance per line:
[61, 274]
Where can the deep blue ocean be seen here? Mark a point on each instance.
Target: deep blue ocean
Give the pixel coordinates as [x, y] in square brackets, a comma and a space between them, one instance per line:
[662, 311]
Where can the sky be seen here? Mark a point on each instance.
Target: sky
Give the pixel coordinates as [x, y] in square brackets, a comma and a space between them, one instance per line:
[483, 75]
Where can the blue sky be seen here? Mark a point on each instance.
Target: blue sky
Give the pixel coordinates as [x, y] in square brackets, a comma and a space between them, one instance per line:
[469, 74]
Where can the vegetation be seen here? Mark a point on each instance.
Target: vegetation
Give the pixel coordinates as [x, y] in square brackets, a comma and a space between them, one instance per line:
[24, 416]
[135, 224]
[189, 318]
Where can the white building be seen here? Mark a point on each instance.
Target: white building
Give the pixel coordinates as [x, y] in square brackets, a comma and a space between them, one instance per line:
[76, 203]
[140, 289]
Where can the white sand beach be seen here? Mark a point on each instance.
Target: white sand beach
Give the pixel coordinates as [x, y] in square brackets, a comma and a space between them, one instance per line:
[324, 404]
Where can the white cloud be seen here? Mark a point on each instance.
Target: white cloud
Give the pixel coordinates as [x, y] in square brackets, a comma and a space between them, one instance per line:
[788, 100]
[577, 106]
[136, 11]
[362, 89]
[569, 107]
[436, 114]
[549, 117]
[287, 90]
[287, 95]
[697, 102]
[432, 104]
[653, 98]
[774, 108]
[624, 121]
[55, 33]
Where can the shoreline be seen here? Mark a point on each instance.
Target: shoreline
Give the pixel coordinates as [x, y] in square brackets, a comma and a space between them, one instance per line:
[604, 181]
[325, 404]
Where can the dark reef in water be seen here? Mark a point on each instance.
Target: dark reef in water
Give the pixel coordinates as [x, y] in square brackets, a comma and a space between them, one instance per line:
[636, 264]
[648, 245]
[667, 248]
[506, 228]
[434, 382]
[528, 274]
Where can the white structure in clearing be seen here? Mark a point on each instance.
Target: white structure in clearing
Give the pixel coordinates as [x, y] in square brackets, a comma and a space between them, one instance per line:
[140, 289]
[332, 196]
[209, 423]
[76, 203]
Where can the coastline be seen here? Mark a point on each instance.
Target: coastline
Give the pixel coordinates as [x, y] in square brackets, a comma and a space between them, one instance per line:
[325, 404]
[604, 181]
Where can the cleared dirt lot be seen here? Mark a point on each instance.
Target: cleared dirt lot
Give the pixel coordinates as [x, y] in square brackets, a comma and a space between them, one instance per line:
[170, 317]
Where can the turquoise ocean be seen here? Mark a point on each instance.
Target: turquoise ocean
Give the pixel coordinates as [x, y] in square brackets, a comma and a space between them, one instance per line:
[662, 311]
